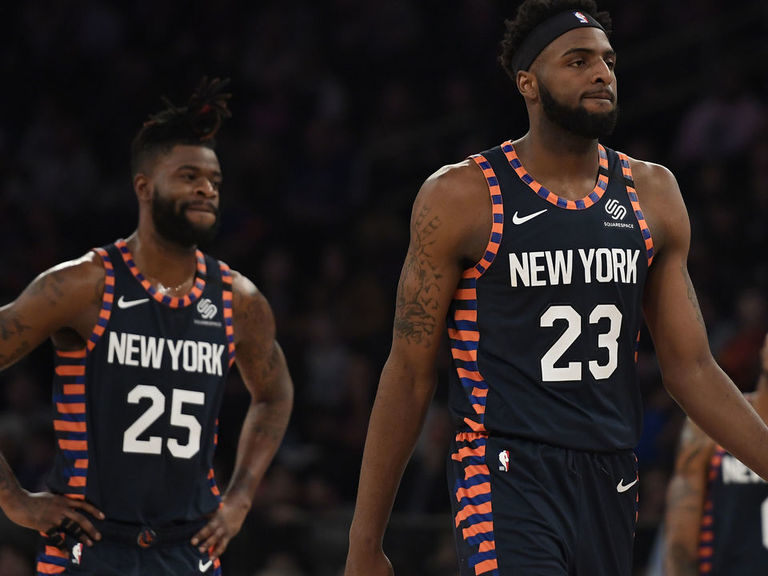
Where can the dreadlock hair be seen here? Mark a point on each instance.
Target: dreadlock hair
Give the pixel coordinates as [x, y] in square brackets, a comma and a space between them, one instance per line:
[531, 13]
[195, 124]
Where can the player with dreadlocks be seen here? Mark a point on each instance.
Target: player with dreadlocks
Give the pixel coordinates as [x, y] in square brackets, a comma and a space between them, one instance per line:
[144, 332]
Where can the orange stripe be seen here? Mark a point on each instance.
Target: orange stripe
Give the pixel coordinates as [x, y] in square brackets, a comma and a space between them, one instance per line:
[69, 370]
[466, 315]
[468, 451]
[468, 355]
[67, 426]
[479, 528]
[476, 426]
[472, 491]
[80, 445]
[465, 294]
[479, 408]
[470, 374]
[479, 392]
[474, 470]
[487, 546]
[70, 408]
[486, 566]
[74, 388]
[77, 481]
[75, 496]
[53, 551]
[70, 354]
[470, 436]
[81, 463]
[469, 510]
[464, 335]
[46, 568]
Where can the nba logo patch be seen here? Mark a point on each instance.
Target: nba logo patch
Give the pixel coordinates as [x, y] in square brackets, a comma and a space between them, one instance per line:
[504, 460]
[581, 17]
[77, 553]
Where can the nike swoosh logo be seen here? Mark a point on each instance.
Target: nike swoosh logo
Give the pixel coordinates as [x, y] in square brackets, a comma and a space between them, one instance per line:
[621, 487]
[523, 219]
[204, 567]
[122, 303]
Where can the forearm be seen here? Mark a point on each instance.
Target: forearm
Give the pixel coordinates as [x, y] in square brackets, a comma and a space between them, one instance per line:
[679, 562]
[395, 424]
[262, 432]
[718, 407]
[9, 485]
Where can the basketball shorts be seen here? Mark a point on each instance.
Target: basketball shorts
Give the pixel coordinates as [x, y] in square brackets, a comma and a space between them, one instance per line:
[127, 551]
[522, 508]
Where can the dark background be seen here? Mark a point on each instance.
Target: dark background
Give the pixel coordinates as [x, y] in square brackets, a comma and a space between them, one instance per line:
[340, 110]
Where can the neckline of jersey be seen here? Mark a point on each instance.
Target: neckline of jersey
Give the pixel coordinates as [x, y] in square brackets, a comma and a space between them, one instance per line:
[172, 301]
[543, 192]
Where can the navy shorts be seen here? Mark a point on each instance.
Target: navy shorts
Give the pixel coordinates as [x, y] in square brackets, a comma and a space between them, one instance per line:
[523, 508]
[121, 554]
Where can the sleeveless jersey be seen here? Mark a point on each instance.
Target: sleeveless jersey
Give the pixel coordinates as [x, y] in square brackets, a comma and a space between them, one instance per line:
[137, 409]
[544, 329]
[734, 526]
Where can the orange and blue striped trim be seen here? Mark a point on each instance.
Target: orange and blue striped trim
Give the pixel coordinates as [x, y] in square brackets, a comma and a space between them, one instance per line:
[52, 561]
[707, 529]
[226, 298]
[590, 199]
[462, 324]
[70, 422]
[171, 301]
[107, 300]
[474, 503]
[626, 171]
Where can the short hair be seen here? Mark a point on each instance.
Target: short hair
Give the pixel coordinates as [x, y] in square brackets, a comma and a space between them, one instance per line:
[196, 123]
[531, 13]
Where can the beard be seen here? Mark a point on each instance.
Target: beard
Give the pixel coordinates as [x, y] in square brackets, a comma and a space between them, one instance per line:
[172, 224]
[577, 120]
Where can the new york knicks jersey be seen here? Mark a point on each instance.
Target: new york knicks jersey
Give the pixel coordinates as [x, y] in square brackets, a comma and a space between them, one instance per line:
[544, 329]
[137, 409]
[734, 527]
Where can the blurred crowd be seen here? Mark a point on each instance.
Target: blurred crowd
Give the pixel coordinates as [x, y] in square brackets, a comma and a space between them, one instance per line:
[341, 109]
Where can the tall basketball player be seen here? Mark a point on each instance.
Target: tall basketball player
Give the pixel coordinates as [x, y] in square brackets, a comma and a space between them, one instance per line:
[542, 255]
[717, 508]
[145, 331]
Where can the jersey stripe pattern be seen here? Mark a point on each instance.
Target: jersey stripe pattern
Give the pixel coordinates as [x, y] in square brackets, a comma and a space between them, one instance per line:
[544, 328]
[137, 408]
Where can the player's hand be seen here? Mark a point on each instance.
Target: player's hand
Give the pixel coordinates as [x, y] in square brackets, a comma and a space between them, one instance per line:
[368, 564]
[222, 526]
[52, 513]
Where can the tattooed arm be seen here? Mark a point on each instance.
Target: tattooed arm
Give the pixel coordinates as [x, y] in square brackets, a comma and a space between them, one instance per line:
[62, 303]
[685, 502]
[450, 227]
[672, 312]
[263, 369]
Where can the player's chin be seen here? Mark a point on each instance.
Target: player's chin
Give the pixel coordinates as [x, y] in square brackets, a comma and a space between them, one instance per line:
[202, 220]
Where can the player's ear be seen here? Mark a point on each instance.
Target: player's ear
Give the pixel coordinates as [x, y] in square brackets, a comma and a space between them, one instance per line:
[527, 85]
[142, 187]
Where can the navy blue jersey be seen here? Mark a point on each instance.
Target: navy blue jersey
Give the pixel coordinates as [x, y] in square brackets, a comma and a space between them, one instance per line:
[137, 408]
[734, 526]
[544, 329]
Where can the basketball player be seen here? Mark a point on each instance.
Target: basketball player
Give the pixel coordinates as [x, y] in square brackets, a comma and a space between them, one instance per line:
[542, 255]
[717, 508]
[145, 331]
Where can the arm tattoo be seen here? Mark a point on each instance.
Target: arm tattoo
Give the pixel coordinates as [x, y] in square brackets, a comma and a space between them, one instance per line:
[417, 294]
[49, 286]
[692, 294]
[11, 326]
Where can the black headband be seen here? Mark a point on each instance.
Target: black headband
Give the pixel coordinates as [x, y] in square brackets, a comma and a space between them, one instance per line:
[541, 36]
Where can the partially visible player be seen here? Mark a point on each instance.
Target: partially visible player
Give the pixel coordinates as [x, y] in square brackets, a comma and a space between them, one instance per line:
[717, 509]
[145, 331]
